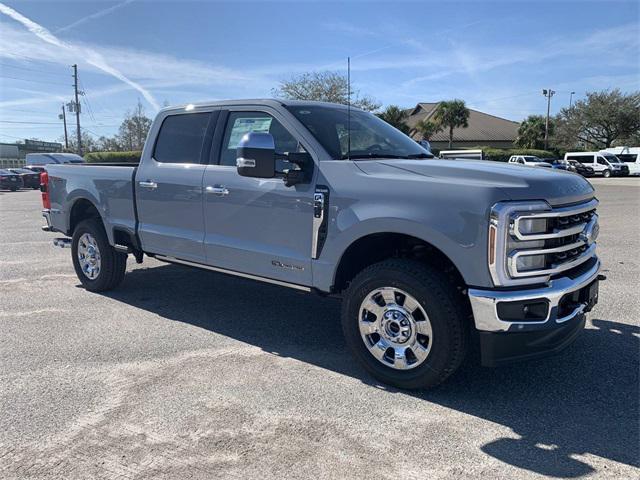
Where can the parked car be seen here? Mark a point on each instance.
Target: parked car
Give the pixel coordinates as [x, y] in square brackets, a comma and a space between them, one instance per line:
[605, 164]
[30, 179]
[425, 253]
[583, 170]
[9, 180]
[528, 160]
[47, 158]
[35, 168]
[630, 156]
[559, 164]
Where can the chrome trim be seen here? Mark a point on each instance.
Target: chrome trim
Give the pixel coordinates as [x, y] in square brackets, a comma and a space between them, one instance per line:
[559, 268]
[232, 272]
[555, 213]
[242, 162]
[484, 302]
[318, 217]
[149, 185]
[505, 219]
[46, 213]
[219, 190]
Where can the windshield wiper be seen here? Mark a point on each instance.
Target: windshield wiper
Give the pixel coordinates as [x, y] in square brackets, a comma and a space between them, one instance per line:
[420, 155]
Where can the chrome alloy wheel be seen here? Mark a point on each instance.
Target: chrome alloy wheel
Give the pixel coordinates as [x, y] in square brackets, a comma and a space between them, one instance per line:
[89, 256]
[395, 328]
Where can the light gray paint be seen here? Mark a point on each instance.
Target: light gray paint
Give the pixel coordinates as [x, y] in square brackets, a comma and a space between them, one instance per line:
[442, 202]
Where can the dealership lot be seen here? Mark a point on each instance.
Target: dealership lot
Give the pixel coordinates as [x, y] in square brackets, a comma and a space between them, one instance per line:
[183, 373]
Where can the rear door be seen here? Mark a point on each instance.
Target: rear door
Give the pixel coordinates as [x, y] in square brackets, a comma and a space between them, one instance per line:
[169, 190]
[254, 225]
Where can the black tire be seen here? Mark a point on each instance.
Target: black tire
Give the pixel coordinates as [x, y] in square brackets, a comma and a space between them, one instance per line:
[113, 263]
[14, 189]
[443, 305]
[606, 173]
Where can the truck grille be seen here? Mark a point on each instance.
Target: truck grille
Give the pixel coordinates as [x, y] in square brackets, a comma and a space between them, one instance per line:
[554, 241]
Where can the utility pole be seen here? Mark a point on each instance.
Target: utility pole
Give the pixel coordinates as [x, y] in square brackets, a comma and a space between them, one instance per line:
[547, 93]
[63, 117]
[77, 107]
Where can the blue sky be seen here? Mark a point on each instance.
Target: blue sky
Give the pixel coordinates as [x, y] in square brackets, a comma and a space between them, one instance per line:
[497, 56]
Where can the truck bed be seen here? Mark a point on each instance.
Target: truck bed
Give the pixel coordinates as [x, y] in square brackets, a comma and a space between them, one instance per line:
[110, 187]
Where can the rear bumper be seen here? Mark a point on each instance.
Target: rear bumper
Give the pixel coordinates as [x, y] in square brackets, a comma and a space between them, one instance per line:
[568, 299]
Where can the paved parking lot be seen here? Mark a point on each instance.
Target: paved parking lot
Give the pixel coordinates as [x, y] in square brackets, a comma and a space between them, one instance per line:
[189, 374]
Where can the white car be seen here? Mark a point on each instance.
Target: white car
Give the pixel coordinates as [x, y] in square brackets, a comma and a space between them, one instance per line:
[630, 156]
[603, 163]
[529, 160]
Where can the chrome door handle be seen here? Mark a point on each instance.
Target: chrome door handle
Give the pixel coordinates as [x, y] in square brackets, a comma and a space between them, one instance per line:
[217, 190]
[150, 185]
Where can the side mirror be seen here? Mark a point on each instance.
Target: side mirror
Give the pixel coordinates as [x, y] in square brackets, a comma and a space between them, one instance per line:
[256, 155]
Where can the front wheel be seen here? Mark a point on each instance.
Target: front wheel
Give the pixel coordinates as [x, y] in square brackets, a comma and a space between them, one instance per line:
[404, 324]
[606, 173]
[98, 265]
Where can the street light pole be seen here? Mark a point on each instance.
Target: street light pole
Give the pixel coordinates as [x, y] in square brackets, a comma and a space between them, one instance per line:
[570, 99]
[547, 93]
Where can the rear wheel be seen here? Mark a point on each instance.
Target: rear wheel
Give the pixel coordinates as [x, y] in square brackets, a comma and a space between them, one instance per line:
[606, 173]
[404, 323]
[98, 265]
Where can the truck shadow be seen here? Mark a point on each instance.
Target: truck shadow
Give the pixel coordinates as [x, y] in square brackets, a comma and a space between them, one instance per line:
[584, 401]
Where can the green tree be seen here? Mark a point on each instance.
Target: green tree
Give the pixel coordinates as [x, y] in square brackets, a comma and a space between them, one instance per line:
[89, 143]
[396, 117]
[325, 87]
[531, 132]
[427, 129]
[599, 121]
[452, 114]
[134, 129]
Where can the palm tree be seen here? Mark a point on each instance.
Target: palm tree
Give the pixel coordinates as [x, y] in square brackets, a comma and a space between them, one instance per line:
[427, 129]
[531, 132]
[395, 116]
[452, 114]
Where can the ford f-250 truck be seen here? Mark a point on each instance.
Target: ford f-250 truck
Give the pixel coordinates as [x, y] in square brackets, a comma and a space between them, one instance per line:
[428, 255]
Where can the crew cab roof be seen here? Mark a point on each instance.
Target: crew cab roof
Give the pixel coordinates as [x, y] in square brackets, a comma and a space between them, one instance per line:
[267, 102]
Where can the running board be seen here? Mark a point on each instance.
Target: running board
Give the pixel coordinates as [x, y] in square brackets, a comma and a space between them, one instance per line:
[232, 272]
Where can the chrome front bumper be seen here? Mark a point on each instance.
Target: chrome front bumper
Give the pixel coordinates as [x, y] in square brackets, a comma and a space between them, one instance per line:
[484, 303]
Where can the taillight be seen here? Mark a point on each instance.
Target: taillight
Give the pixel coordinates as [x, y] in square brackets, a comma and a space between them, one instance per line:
[44, 188]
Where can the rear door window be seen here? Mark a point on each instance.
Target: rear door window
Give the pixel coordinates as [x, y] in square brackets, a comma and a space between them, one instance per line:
[180, 138]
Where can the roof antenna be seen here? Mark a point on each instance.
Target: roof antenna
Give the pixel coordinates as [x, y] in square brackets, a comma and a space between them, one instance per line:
[348, 108]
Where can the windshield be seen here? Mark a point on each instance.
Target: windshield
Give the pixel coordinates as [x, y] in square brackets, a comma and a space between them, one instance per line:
[533, 159]
[612, 158]
[368, 136]
[21, 170]
[5, 172]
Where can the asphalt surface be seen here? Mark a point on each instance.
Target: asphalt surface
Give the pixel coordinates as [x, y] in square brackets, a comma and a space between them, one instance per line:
[182, 373]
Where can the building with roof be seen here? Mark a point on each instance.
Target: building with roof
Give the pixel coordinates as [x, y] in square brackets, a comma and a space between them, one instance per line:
[483, 130]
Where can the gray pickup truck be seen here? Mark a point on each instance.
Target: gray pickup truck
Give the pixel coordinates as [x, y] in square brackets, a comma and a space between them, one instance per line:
[429, 256]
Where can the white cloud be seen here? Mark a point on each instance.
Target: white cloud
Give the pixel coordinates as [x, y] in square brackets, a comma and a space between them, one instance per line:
[94, 16]
[92, 57]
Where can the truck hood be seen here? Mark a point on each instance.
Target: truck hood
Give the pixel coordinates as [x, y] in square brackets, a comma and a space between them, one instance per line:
[557, 187]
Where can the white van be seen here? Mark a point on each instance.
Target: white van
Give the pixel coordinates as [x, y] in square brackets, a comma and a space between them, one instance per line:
[603, 163]
[630, 156]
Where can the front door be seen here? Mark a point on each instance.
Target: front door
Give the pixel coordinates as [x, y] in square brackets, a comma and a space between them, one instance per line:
[169, 190]
[256, 226]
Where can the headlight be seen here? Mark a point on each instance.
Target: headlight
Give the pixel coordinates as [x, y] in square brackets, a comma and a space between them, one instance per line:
[531, 241]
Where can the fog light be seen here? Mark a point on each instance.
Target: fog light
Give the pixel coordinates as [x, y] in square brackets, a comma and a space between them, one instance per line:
[528, 263]
[523, 311]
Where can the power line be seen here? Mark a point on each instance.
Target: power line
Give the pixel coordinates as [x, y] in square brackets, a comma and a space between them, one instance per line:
[34, 81]
[32, 69]
[30, 123]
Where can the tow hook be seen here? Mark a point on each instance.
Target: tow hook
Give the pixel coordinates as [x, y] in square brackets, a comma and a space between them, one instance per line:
[62, 242]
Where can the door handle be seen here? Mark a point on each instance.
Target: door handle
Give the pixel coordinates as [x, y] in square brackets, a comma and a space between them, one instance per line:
[149, 185]
[219, 190]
